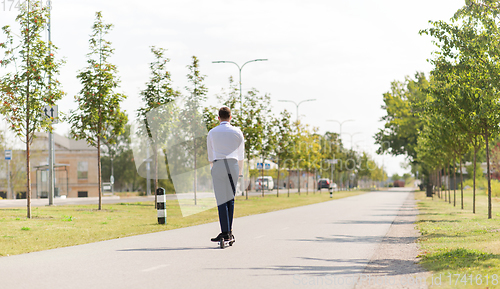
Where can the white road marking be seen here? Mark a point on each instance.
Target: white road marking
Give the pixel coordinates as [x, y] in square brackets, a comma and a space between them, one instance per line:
[284, 228]
[258, 237]
[155, 268]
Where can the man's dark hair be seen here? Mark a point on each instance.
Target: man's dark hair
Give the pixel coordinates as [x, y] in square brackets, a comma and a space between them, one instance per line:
[224, 113]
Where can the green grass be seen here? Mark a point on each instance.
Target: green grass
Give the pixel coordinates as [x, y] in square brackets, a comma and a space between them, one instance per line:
[456, 241]
[61, 226]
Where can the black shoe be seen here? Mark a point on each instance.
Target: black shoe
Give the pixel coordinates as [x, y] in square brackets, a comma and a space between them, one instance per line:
[218, 238]
[230, 236]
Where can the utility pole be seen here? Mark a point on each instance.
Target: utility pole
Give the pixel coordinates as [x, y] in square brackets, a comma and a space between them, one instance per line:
[148, 177]
[51, 136]
[8, 157]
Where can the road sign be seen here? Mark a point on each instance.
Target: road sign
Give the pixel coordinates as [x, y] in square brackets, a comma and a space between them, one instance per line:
[51, 112]
[268, 166]
[112, 180]
[106, 186]
[8, 155]
[259, 166]
[334, 161]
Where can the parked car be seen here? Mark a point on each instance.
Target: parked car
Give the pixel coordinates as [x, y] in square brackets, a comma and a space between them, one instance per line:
[326, 184]
[267, 182]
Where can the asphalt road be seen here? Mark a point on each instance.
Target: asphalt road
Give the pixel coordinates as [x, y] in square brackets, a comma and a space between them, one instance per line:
[326, 245]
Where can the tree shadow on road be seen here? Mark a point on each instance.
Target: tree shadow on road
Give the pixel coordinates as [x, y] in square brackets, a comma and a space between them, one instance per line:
[365, 222]
[360, 239]
[167, 249]
[325, 267]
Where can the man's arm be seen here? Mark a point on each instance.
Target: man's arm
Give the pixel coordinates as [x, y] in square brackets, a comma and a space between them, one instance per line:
[241, 153]
[210, 150]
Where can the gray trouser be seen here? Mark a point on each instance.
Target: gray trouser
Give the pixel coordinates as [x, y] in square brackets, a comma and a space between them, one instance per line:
[222, 185]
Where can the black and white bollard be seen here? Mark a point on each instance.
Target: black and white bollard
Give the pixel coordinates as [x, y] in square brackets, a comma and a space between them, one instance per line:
[331, 192]
[161, 205]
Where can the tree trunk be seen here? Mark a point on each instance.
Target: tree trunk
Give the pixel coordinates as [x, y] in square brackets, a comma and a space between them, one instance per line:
[288, 185]
[99, 166]
[278, 179]
[461, 185]
[262, 182]
[455, 184]
[248, 176]
[315, 182]
[307, 181]
[449, 183]
[445, 193]
[28, 173]
[474, 184]
[196, 174]
[438, 182]
[488, 171]
[298, 187]
[155, 155]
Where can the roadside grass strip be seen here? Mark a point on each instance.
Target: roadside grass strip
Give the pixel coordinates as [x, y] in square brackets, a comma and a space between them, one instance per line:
[62, 226]
[460, 247]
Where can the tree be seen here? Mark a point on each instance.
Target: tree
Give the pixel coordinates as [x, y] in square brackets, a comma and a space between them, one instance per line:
[192, 114]
[115, 145]
[472, 40]
[329, 147]
[281, 133]
[402, 123]
[25, 89]
[98, 103]
[308, 151]
[158, 93]
[253, 118]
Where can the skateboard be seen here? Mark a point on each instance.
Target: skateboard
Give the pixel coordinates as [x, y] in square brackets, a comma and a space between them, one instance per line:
[226, 243]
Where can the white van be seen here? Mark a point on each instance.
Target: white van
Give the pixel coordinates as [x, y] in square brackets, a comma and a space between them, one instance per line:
[267, 181]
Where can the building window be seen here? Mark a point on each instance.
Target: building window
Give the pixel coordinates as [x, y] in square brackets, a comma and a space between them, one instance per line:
[83, 170]
[83, 194]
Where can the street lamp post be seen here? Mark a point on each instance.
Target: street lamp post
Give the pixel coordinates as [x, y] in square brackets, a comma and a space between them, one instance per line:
[239, 68]
[352, 135]
[297, 104]
[340, 134]
[340, 123]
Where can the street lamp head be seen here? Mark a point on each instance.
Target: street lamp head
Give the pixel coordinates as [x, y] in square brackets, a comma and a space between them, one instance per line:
[352, 134]
[220, 61]
[260, 60]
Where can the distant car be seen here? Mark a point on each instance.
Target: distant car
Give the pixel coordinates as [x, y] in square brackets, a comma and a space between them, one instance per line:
[267, 182]
[326, 184]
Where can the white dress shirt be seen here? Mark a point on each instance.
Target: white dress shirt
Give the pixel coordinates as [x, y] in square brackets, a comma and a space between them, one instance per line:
[225, 142]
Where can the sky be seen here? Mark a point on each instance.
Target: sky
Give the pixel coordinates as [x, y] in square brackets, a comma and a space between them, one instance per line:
[344, 54]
